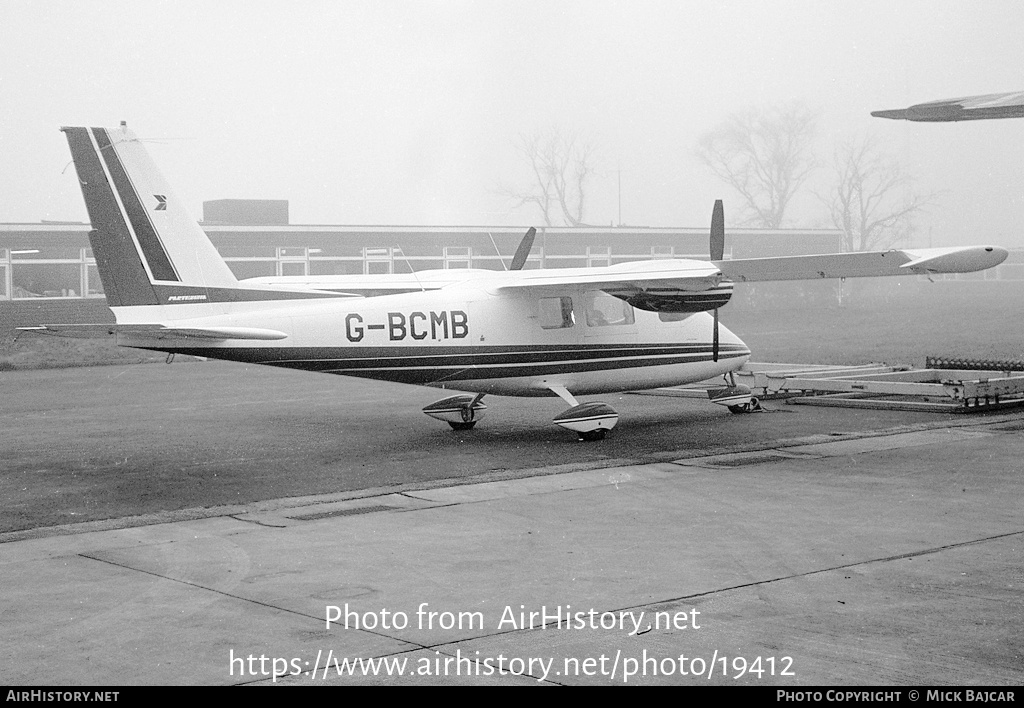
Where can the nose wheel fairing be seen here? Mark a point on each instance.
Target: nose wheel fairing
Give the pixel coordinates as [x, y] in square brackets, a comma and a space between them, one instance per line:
[736, 397]
[591, 421]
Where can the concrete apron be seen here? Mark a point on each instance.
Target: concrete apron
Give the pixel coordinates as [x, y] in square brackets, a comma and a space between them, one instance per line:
[888, 560]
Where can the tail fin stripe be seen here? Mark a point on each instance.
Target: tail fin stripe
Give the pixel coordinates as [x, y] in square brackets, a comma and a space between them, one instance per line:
[124, 276]
[149, 241]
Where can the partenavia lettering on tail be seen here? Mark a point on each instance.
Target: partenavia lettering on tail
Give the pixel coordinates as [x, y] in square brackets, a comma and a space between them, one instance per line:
[541, 333]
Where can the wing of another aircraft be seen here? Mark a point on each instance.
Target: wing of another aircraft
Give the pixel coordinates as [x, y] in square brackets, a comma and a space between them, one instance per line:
[986, 107]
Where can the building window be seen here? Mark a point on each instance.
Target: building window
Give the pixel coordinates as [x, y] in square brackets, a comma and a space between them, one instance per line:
[597, 257]
[255, 268]
[555, 312]
[293, 261]
[457, 257]
[378, 261]
[31, 280]
[93, 284]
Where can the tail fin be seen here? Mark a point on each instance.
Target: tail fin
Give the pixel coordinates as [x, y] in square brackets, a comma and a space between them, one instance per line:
[149, 251]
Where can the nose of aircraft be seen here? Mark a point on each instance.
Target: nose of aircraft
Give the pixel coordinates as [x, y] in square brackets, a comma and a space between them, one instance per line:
[727, 340]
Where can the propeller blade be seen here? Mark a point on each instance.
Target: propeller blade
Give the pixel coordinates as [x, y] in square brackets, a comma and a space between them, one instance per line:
[714, 339]
[523, 252]
[718, 231]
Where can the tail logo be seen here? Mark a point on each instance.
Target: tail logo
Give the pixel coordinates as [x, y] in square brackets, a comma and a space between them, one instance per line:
[161, 202]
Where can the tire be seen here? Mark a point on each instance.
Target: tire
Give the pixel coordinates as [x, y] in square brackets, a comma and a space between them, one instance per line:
[746, 407]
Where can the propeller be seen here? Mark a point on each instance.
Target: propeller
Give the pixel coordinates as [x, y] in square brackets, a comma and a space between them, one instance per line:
[718, 231]
[523, 252]
[717, 254]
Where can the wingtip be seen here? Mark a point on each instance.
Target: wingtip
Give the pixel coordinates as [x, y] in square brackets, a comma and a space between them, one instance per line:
[892, 115]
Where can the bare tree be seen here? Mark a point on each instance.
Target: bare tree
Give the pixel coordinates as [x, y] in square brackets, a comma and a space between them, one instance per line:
[765, 155]
[871, 201]
[560, 164]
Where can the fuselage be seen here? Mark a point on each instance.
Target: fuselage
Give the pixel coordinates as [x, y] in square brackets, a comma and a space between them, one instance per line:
[469, 338]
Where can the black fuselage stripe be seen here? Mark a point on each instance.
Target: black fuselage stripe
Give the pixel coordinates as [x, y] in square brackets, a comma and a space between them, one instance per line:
[533, 367]
[472, 358]
[149, 241]
[455, 367]
[469, 372]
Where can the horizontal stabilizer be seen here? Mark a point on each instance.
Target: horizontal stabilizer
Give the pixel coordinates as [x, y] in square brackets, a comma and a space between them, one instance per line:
[154, 331]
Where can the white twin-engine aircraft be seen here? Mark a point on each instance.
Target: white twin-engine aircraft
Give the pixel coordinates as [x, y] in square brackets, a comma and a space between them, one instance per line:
[560, 332]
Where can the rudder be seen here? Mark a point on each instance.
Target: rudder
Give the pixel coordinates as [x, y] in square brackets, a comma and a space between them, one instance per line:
[148, 250]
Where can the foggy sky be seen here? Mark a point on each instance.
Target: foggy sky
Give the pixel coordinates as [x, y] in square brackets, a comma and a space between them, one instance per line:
[406, 112]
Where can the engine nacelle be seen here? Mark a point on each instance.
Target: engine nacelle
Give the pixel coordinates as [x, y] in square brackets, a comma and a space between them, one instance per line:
[676, 299]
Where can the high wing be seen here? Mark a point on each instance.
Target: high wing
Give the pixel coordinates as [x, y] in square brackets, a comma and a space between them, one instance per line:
[695, 286]
[683, 274]
[965, 259]
[367, 285]
[657, 286]
[985, 107]
[155, 331]
[389, 283]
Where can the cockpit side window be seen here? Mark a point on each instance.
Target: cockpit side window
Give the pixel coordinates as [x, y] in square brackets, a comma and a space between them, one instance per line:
[604, 310]
[555, 312]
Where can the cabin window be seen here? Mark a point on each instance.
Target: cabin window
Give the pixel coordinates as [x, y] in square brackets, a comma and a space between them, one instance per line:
[674, 316]
[555, 312]
[604, 310]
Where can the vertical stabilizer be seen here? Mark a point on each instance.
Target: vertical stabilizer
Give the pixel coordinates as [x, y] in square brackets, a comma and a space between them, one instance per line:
[148, 249]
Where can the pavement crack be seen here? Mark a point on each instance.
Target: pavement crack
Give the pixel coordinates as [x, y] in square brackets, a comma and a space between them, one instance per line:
[756, 583]
[258, 523]
[241, 598]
